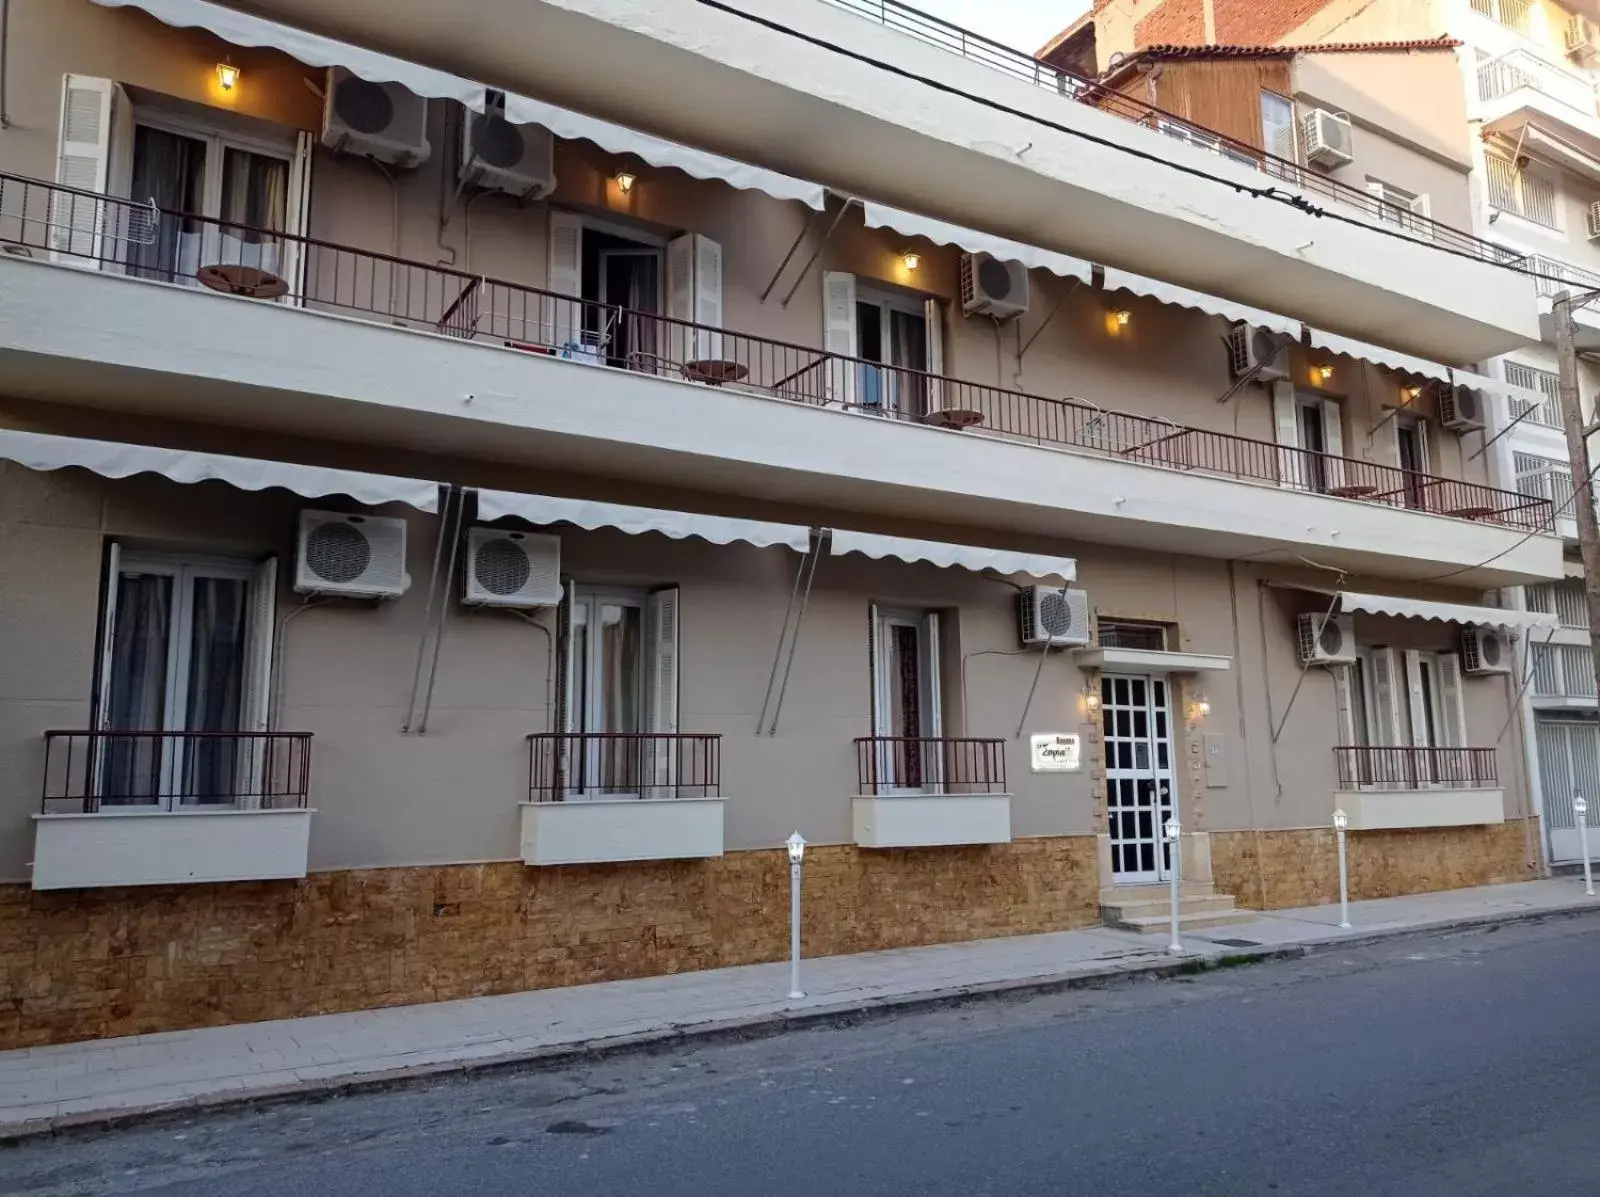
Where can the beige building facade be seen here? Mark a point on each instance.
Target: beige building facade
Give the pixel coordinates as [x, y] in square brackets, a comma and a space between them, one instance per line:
[804, 524]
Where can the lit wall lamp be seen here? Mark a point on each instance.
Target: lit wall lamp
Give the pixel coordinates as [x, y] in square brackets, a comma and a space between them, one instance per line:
[227, 75]
[1199, 708]
[1321, 373]
[625, 181]
[1091, 699]
[1409, 395]
[1122, 316]
[911, 261]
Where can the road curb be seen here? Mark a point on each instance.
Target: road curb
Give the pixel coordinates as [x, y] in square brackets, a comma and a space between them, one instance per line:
[753, 1026]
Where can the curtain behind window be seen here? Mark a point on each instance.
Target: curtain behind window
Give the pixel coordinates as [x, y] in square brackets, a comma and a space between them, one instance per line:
[130, 767]
[216, 688]
[169, 171]
[255, 192]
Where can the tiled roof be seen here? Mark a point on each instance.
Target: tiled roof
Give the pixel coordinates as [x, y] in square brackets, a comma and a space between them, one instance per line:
[1217, 51]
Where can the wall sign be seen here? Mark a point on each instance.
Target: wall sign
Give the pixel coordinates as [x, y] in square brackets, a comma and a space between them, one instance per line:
[1055, 752]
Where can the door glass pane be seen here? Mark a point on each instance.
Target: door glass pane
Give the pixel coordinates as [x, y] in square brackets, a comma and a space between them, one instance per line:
[215, 693]
[620, 643]
[169, 171]
[254, 200]
[908, 349]
[136, 698]
[1358, 702]
[869, 347]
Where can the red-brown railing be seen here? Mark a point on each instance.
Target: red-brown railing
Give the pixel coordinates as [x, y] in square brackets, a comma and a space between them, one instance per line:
[1403, 768]
[563, 765]
[122, 769]
[43, 219]
[1081, 89]
[930, 765]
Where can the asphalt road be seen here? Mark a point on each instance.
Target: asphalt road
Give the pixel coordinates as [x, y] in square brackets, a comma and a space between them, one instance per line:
[1461, 1065]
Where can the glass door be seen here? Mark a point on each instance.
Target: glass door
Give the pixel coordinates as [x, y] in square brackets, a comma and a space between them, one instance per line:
[1140, 786]
[906, 701]
[894, 332]
[607, 694]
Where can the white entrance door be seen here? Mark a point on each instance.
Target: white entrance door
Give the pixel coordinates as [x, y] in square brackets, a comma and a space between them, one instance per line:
[1569, 763]
[1140, 789]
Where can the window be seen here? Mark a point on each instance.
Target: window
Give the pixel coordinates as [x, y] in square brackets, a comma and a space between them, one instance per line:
[1411, 455]
[1522, 190]
[1543, 478]
[1393, 698]
[186, 646]
[898, 339]
[1310, 429]
[1547, 382]
[1562, 671]
[621, 690]
[904, 664]
[1562, 599]
[1278, 131]
[1129, 633]
[1405, 209]
[1513, 14]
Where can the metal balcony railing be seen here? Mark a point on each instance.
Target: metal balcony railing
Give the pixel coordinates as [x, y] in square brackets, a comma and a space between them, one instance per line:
[87, 229]
[1517, 69]
[1550, 272]
[930, 765]
[1079, 88]
[1402, 768]
[129, 770]
[569, 765]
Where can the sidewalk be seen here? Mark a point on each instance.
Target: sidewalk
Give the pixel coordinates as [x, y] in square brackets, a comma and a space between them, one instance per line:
[50, 1088]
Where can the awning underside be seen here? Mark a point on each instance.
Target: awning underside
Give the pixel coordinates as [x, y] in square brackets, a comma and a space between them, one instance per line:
[584, 513]
[1459, 613]
[1043, 567]
[882, 216]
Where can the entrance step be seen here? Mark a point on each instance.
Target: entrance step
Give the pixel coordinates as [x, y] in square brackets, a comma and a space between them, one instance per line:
[1147, 910]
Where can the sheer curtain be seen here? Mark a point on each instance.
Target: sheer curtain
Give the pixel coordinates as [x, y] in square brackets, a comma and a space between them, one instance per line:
[254, 194]
[909, 349]
[130, 768]
[216, 689]
[169, 171]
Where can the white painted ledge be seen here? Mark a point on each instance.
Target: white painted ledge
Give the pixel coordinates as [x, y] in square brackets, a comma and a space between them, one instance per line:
[599, 831]
[132, 847]
[1141, 660]
[931, 821]
[1387, 810]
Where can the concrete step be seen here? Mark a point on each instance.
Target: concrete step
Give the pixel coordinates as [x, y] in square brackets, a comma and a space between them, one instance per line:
[1192, 921]
[1212, 903]
[1122, 894]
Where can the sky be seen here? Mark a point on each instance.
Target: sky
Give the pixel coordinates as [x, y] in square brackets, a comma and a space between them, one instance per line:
[1024, 24]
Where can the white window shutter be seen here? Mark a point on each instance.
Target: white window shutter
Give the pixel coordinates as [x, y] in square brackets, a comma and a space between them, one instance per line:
[661, 618]
[561, 718]
[83, 163]
[1452, 710]
[933, 325]
[297, 216]
[680, 297]
[258, 713]
[1286, 428]
[708, 297]
[1333, 438]
[1385, 708]
[1343, 680]
[1418, 702]
[565, 274]
[1421, 207]
[873, 631]
[108, 628]
[839, 335]
[930, 627]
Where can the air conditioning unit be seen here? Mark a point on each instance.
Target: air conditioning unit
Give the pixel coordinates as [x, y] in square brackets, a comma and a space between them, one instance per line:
[1258, 352]
[1327, 639]
[1054, 616]
[1594, 221]
[1327, 138]
[1485, 650]
[991, 287]
[512, 569]
[1582, 37]
[382, 121]
[357, 556]
[1461, 408]
[500, 156]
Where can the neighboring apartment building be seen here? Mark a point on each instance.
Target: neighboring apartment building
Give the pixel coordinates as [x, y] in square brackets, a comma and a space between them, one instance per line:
[453, 538]
[1529, 74]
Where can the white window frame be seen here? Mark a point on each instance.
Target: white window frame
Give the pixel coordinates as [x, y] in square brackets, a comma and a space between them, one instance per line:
[183, 568]
[1408, 210]
[1289, 403]
[888, 302]
[880, 619]
[1535, 378]
[1272, 99]
[1519, 206]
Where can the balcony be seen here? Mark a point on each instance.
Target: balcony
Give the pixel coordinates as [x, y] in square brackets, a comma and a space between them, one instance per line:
[925, 116]
[1396, 788]
[171, 808]
[1555, 277]
[603, 797]
[1520, 88]
[337, 353]
[1563, 677]
[924, 792]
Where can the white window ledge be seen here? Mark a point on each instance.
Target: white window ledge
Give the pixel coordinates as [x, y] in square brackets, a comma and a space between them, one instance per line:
[599, 831]
[1388, 810]
[1142, 660]
[931, 820]
[158, 847]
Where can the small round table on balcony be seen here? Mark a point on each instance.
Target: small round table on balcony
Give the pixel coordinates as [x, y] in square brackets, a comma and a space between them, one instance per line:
[1358, 490]
[249, 281]
[714, 373]
[1471, 512]
[953, 417]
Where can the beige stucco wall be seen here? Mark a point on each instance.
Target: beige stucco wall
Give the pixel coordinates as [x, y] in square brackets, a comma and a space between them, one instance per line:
[450, 795]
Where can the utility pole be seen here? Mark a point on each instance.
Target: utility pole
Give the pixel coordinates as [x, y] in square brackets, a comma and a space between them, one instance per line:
[1577, 430]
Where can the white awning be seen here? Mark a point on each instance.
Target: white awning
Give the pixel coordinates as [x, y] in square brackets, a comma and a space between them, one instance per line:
[1395, 360]
[882, 216]
[110, 459]
[1125, 280]
[1045, 568]
[241, 29]
[1462, 613]
[543, 509]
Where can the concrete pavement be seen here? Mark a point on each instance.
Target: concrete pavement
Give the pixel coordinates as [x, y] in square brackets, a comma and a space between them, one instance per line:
[51, 1088]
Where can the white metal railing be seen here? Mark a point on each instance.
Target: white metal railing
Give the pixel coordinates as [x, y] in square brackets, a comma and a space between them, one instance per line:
[1547, 272]
[1563, 599]
[1562, 671]
[1520, 68]
[1542, 478]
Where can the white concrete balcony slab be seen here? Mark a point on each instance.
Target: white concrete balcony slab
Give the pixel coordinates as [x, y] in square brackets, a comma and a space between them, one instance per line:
[128, 846]
[1391, 810]
[606, 830]
[982, 140]
[1397, 787]
[931, 820]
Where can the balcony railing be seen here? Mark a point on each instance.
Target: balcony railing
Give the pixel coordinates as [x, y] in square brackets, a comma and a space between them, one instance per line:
[1549, 272]
[996, 56]
[564, 766]
[1400, 768]
[930, 765]
[84, 228]
[127, 770]
[1518, 69]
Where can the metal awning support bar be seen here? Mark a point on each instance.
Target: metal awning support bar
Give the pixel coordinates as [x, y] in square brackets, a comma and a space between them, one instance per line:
[805, 267]
[805, 573]
[452, 508]
[811, 219]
